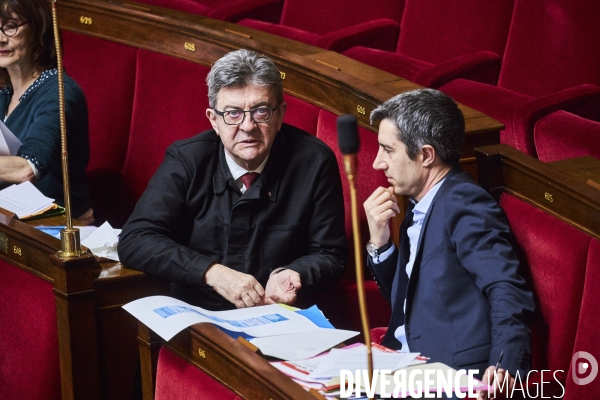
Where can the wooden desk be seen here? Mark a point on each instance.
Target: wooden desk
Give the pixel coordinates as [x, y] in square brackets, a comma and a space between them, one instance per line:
[584, 169]
[560, 188]
[97, 338]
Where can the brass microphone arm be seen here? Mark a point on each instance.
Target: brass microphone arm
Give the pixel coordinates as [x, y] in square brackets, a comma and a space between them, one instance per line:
[350, 167]
[69, 237]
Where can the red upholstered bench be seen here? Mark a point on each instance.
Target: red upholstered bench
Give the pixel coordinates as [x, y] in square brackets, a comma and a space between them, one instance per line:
[167, 107]
[554, 256]
[587, 327]
[177, 379]
[106, 72]
[441, 41]
[344, 314]
[550, 63]
[555, 217]
[28, 336]
[337, 25]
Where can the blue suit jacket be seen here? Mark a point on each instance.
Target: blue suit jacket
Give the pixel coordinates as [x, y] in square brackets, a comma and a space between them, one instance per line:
[465, 302]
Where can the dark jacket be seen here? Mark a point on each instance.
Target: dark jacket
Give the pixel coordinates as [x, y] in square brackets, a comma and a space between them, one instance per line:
[192, 215]
[465, 301]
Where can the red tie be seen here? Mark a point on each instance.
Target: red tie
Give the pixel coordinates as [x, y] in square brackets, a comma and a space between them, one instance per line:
[249, 178]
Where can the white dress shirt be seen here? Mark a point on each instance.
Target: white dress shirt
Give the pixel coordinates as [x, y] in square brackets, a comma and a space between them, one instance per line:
[237, 171]
[414, 232]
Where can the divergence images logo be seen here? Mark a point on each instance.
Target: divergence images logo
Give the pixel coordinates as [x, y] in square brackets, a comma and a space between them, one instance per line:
[580, 367]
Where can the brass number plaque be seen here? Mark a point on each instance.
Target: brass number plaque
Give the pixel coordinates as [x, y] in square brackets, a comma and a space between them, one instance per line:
[201, 353]
[282, 74]
[548, 197]
[17, 251]
[361, 110]
[189, 46]
[85, 20]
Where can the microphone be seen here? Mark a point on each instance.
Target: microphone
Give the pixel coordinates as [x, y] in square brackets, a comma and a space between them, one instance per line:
[349, 144]
[348, 134]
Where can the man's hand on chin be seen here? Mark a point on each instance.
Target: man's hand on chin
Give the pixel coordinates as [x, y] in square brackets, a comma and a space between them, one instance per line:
[241, 289]
[282, 287]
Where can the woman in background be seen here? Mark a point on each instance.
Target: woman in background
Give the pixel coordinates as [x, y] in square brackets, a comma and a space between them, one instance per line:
[29, 103]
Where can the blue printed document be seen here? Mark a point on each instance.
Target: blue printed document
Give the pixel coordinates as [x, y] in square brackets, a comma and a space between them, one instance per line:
[168, 316]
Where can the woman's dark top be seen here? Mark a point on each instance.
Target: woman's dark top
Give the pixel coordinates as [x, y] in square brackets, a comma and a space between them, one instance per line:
[36, 122]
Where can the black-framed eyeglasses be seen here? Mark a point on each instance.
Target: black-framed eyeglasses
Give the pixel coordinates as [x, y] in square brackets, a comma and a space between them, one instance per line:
[11, 28]
[259, 115]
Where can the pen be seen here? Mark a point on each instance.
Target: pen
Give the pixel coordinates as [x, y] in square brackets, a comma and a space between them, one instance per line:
[497, 366]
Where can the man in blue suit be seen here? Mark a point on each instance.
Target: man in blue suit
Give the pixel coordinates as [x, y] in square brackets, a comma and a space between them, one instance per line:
[455, 292]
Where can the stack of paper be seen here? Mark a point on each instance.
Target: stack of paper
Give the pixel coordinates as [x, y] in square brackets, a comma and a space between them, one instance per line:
[168, 316]
[25, 200]
[277, 330]
[103, 242]
[323, 372]
[298, 346]
[353, 358]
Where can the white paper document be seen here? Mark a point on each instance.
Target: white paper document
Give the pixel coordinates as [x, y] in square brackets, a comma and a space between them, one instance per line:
[24, 199]
[301, 369]
[299, 346]
[356, 358]
[103, 242]
[427, 378]
[168, 316]
[9, 143]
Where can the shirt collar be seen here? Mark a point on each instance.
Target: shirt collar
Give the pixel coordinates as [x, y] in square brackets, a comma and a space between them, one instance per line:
[421, 207]
[237, 171]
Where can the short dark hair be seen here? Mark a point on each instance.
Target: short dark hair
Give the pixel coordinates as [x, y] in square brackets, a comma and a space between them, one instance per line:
[241, 68]
[425, 116]
[38, 14]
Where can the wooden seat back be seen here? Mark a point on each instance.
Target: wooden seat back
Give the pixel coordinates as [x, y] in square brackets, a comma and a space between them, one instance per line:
[48, 326]
[205, 361]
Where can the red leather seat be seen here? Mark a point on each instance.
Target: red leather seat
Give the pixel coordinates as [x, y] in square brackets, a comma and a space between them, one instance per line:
[88, 60]
[563, 135]
[337, 25]
[441, 41]
[587, 328]
[28, 337]
[550, 63]
[341, 305]
[554, 256]
[177, 379]
[159, 96]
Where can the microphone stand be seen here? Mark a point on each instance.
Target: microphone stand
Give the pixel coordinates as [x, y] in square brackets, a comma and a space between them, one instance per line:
[69, 236]
[350, 167]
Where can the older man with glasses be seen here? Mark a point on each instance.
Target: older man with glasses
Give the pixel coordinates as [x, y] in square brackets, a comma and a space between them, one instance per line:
[248, 212]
